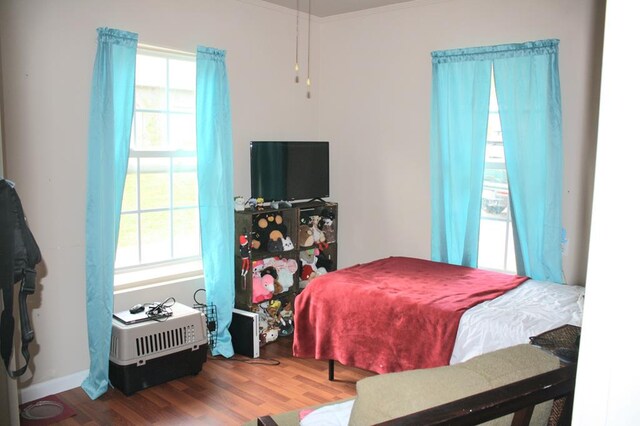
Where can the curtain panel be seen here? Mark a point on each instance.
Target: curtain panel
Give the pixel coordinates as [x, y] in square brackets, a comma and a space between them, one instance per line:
[528, 91]
[459, 117]
[110, 118]
[215, 188]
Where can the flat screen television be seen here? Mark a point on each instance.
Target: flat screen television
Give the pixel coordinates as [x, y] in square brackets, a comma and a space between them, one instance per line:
[289, 171]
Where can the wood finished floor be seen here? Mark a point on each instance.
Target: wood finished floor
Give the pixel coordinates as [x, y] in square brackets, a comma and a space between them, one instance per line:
[224, 393]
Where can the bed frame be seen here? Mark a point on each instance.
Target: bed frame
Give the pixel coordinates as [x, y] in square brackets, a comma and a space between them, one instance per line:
[519, 398]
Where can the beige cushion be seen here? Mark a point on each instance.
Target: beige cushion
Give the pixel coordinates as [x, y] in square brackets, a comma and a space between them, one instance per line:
[388, 396]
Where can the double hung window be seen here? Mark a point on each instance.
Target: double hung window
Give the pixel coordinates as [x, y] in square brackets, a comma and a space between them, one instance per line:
[159, 223]
[496, 249]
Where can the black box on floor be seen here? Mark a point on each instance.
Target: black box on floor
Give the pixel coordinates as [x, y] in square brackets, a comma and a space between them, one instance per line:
[152, 352]
[245, 336]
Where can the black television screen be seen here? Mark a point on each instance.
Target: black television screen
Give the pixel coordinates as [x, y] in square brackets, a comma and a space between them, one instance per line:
[288, 171]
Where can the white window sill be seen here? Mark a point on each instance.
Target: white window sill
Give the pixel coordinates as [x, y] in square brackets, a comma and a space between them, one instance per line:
[161, 274]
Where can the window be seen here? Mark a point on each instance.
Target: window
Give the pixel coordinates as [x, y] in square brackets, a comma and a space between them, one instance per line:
[496, 249]
[159, 223]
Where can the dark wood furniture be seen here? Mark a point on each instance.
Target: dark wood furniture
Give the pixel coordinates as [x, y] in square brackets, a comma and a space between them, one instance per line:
[518, 398]
[245, 224]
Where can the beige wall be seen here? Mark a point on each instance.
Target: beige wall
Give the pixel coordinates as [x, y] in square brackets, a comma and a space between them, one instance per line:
[370, 99]
[48, 50]
[375, 110]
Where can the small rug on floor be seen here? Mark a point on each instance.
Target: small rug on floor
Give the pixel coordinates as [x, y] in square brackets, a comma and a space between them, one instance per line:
[44, 411]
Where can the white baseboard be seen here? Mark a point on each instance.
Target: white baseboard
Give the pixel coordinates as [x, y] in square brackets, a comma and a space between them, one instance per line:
[54, 386]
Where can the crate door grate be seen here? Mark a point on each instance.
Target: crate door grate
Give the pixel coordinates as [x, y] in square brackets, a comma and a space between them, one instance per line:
[164, 340]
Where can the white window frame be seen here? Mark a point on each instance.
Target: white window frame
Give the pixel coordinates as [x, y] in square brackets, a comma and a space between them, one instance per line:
[175, 268]
[486, 260]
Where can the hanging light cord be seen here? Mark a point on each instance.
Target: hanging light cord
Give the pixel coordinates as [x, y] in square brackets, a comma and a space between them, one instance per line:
[297, 67]
[309, 56]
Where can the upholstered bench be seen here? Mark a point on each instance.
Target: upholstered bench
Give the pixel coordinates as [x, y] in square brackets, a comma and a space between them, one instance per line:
[495, 381]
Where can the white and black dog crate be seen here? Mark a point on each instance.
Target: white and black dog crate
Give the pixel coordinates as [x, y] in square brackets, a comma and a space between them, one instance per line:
[152, 352]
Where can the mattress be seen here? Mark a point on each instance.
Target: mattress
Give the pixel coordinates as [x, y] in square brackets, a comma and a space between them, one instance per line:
[510, 319]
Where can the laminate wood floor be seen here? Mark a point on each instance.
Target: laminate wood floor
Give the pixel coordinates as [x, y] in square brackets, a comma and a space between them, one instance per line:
[225, 392]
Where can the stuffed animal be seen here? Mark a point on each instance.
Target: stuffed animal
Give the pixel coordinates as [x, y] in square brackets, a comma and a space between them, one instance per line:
[274, 308]
[285, 278]
[287, 244]
[286, 320]
[326, 225]
[262, 289]
[271, 334]
[309, 270]
[324, 261]
[305, 236]
[318, 235]
[269, 229]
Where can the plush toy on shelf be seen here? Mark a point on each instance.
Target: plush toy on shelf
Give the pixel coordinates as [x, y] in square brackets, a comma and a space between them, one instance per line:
[244, 254]
[327, 225]
[305, 236]
[263, 286]
[309, 270]
[286, 320]
[269, 232]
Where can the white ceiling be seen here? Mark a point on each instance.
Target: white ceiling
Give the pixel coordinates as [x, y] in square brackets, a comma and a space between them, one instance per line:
[322, 8]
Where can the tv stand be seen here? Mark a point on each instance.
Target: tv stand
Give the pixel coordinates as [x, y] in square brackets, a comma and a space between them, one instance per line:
[317, 199]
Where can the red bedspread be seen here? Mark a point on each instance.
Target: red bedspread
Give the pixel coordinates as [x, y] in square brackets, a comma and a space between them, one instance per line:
[392, 314]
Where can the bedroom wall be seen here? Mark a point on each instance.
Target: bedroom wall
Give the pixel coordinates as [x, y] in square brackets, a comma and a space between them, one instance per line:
[370, 99]
[375, 110]
[48, 50]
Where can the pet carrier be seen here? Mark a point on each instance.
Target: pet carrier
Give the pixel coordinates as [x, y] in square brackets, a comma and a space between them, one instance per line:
[151, 352]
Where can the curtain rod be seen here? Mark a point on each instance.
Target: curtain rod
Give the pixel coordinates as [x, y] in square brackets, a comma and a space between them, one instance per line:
[165, 50]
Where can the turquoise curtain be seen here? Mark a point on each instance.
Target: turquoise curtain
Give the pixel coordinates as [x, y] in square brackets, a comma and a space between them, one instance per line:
[215, 188]
[528, 91]
[459, 115]
[110, 117]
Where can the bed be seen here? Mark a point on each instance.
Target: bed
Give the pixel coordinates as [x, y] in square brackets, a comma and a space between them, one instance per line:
[403, 313]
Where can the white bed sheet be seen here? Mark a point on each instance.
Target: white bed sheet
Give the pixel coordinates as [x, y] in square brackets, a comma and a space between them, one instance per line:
[528, 310]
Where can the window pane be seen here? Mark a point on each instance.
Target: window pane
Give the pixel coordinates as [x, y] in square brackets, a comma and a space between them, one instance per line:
[151, 130]
[494, 129]
[127, 253]
[492, 244]
[160, 201]
[186, 233]
[154, 183]
[156, 236]
[130, 196]
[182, 131]
[151, 75]
[185, 182]
[496, 241]
[182, 83]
